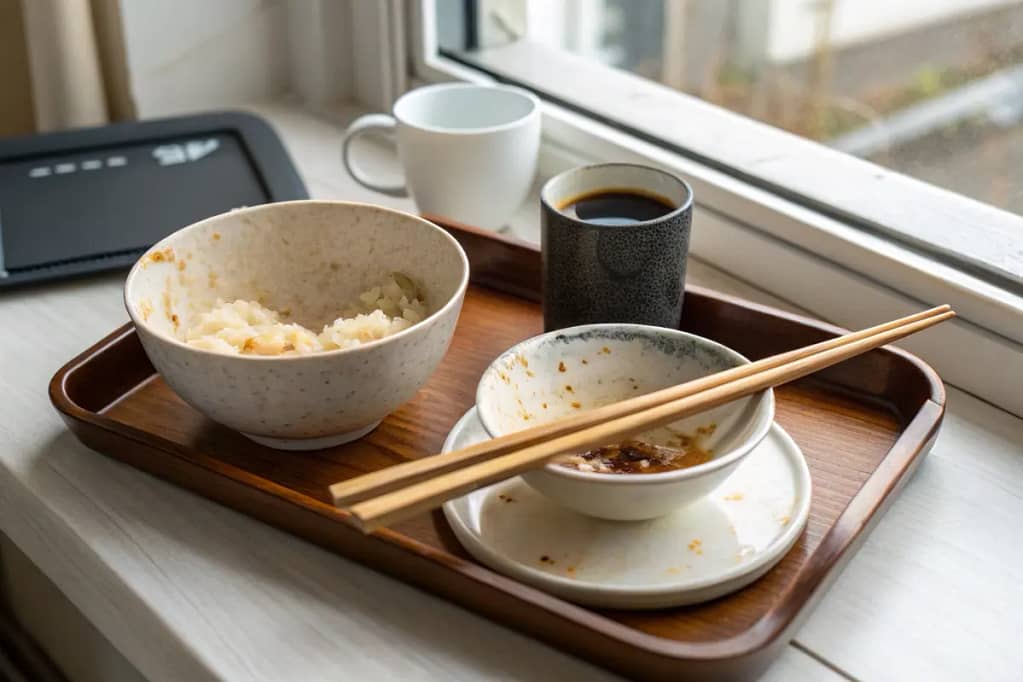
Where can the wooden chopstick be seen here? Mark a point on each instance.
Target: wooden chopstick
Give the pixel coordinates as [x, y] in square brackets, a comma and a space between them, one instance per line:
[393, 506]
[398, 476]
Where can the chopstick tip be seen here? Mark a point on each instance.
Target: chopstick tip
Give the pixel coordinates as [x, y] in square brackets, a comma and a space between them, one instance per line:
[358, 523]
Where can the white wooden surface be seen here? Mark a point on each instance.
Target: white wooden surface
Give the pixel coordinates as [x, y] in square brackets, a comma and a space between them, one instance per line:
[186, 589]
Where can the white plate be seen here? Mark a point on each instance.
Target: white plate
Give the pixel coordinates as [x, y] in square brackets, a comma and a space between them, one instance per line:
[713, 547]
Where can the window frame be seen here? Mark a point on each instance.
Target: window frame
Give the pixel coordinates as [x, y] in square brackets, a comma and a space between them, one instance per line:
[835, 184]
[816, 260]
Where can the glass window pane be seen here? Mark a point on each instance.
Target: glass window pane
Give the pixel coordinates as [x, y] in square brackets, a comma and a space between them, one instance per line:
[930, 88]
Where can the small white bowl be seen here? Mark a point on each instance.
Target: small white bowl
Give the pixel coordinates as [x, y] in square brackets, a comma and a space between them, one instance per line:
[565, 371]
[310, 258]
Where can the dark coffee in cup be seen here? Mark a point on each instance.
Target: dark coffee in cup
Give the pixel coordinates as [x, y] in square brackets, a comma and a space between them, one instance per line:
[615, 239]
[617, 207]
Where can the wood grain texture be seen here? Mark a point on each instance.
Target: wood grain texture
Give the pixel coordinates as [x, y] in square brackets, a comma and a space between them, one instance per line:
[863, 426]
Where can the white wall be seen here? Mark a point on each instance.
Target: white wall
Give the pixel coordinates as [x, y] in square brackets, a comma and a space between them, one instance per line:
[792, 23]
[189, 55]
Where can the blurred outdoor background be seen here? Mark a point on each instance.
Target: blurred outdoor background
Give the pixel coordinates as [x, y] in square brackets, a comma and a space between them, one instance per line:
[931, 88]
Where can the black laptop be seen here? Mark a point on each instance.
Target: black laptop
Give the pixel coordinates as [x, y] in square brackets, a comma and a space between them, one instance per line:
[94, 199]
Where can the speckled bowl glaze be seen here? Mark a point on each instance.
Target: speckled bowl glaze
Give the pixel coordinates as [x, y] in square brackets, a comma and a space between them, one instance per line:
[633, 273]
[559, 373]
[311, 258]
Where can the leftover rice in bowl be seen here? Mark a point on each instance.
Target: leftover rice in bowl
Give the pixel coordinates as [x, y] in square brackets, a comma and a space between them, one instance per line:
[270, 277]
[248, 327]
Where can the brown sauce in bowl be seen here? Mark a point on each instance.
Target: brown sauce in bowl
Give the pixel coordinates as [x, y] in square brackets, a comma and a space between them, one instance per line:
[637, 457]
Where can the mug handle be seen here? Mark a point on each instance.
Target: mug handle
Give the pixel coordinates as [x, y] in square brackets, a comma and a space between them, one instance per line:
[364, 124]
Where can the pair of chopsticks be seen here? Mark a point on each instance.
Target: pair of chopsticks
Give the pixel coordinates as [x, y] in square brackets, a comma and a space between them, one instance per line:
[389, 495]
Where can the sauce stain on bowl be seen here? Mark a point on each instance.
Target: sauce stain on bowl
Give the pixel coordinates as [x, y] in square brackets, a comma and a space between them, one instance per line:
[637, 457]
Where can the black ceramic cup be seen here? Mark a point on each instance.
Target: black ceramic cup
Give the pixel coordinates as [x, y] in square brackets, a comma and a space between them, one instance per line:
[605, 269]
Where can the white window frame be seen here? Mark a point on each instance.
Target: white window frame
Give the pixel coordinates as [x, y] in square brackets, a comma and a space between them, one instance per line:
[817, 261]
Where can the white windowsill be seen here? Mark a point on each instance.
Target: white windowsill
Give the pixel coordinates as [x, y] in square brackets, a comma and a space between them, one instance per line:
[186, 589]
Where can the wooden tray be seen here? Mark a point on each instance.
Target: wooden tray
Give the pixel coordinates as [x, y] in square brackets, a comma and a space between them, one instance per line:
[863, 426]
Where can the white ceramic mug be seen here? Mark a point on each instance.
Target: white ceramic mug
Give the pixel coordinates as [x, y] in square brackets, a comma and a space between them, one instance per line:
[468, 151]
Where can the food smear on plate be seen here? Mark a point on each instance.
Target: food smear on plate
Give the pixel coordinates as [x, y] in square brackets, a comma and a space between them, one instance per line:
[636, 457]
[248, 328]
